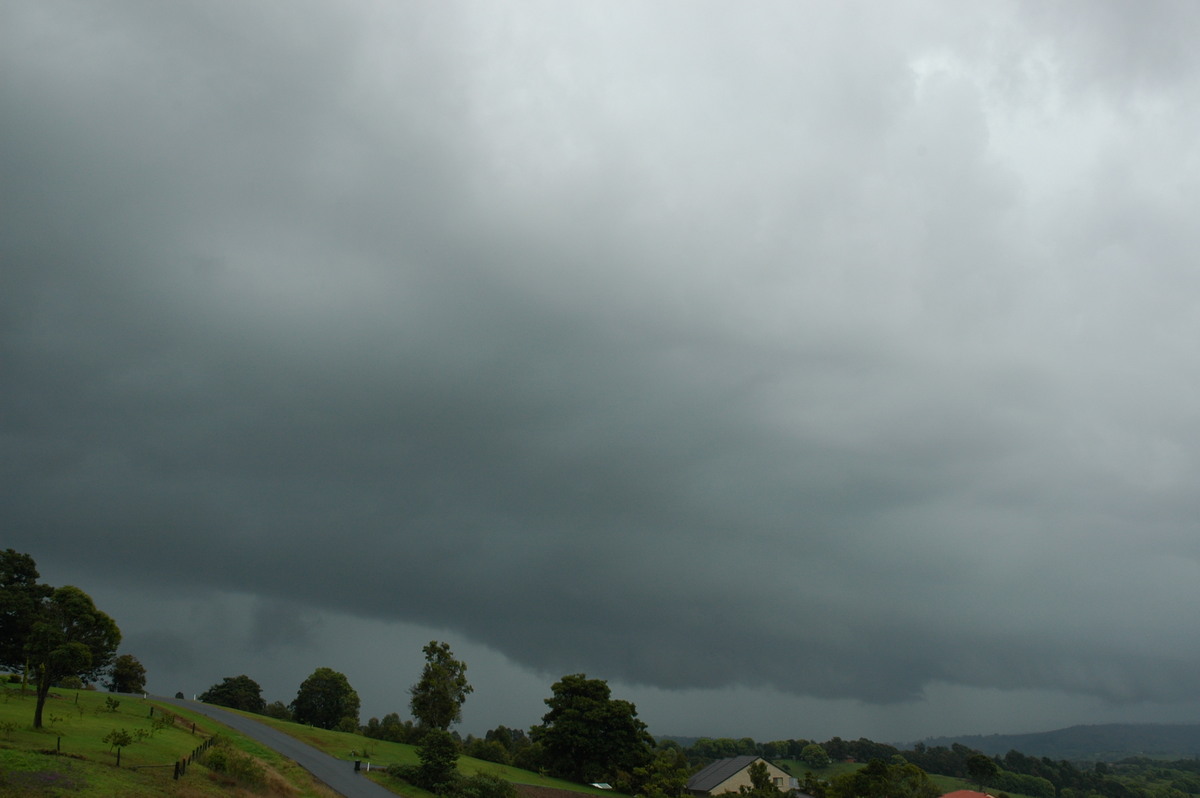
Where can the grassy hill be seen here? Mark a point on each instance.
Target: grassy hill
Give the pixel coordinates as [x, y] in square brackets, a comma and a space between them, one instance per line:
[70, 757]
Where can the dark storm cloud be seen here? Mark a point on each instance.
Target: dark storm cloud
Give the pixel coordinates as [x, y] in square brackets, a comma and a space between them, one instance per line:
[802, 369]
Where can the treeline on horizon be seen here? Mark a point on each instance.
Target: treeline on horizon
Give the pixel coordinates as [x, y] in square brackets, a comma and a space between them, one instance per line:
[1014, 772]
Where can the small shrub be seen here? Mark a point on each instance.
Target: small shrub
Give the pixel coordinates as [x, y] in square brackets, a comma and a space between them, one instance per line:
[111, 703]
[163, 720]
[239, 766]
[483, 785]
[217, 758]
[407, 773]
[117, 738]
[71, 683]
[7, 727]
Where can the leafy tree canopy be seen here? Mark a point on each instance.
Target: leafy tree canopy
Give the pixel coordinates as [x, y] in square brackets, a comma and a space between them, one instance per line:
[391, 728]
[815, 756]
[324, 699]
[664, 776]
[439, 757]
[236, 692]
[68, 637]
[589, 736]
[488, 750]
[277, 709]
[438, 696]
[21, 595]
[127, 675]
[880, 779]
[982, 769]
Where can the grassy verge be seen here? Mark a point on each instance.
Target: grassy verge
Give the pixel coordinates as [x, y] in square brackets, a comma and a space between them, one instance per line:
[70, 756]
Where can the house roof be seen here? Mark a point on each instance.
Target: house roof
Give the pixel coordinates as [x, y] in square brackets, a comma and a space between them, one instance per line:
[966, 794]
[719, 771]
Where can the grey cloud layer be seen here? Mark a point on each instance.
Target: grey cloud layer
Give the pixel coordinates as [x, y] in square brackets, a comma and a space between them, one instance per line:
[607, 338]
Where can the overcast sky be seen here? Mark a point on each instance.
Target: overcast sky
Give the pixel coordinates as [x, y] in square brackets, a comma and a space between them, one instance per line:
[800, 368]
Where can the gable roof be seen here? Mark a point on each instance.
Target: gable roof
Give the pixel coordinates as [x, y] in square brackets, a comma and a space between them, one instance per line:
[716, 773]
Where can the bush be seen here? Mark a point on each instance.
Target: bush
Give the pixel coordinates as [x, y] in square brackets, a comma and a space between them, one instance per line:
[483, 785]
[162, 720]
[237, 765]
[403, 773]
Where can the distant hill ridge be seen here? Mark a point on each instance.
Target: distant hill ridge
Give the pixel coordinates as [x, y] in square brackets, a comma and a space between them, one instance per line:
[1103, 743]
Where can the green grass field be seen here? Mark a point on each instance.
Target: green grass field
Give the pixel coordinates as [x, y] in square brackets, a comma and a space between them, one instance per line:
[69, 756]
[798, 768]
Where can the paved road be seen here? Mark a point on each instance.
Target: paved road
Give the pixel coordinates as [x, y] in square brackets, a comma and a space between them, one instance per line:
[337, 774]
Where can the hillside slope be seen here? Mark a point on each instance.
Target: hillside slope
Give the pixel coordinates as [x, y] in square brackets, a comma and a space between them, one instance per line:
[1107, 742]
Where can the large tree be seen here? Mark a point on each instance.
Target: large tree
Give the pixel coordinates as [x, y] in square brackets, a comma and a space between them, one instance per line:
[21, 596]
[69, 637]
[324, 699]
[814, 755]
[588, 735]
[236, 692]
[982, 770]
[438, 696]
[880, 779]
[127, 675]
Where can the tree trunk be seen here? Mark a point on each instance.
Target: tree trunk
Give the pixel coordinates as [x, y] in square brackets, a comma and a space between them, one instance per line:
[43, 690]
